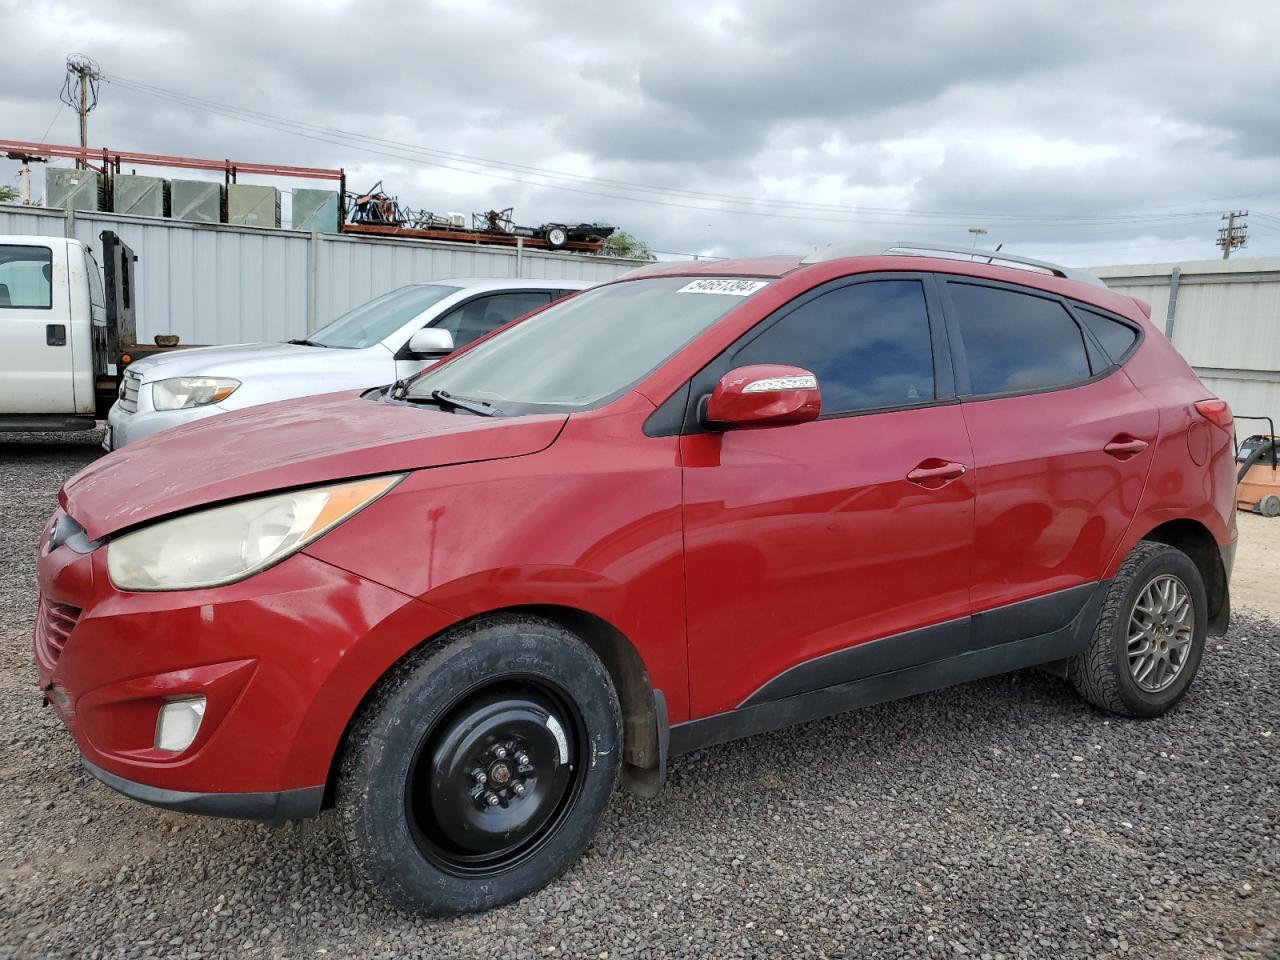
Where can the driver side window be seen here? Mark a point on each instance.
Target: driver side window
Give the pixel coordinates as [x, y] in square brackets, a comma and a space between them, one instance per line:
[477, 317]
[867, 342]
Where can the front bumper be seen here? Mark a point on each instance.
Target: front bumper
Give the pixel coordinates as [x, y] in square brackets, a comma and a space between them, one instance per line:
[124, 427]
[283, 660]
[270, 806]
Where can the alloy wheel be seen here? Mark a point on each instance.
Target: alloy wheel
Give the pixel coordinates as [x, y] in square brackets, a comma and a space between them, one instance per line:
[1160, 633]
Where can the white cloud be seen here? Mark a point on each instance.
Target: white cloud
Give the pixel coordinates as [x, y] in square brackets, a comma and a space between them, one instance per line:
[1005, 115]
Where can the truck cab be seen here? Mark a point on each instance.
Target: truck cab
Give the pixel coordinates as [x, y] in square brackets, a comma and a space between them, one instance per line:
[61, 330]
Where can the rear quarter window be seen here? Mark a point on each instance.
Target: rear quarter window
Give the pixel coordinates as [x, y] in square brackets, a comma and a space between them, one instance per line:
[1117, 338]
[1016, 342]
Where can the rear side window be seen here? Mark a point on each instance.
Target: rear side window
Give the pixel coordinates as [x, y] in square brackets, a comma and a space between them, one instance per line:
[26, 277]
[1116, 338]
[868, 344]
[1015, 341]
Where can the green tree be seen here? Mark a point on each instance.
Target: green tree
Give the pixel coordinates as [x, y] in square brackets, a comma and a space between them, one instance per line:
[623, 244]
[8, 194]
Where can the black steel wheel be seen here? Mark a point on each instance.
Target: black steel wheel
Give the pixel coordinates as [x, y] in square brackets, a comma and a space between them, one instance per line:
[480, 766]
[495, 777]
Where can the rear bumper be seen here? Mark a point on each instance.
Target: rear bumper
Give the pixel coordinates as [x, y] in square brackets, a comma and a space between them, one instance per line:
[272, 806]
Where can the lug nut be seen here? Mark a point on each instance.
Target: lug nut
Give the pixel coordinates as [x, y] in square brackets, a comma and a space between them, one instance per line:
[500, 752]
[491, 799]
[518, 788]
[522, 758]
[480, 777]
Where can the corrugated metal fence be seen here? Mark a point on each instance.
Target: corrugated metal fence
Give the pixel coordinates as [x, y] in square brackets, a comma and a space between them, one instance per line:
[215, 284]
[1224, 317]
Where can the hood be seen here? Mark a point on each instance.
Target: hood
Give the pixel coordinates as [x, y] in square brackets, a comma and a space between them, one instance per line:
[235, 360]
[289, 444]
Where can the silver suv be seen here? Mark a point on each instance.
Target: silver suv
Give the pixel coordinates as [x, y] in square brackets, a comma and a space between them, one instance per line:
[387, 339]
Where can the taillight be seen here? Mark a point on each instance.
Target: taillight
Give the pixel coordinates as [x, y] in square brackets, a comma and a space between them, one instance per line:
[1216, 412]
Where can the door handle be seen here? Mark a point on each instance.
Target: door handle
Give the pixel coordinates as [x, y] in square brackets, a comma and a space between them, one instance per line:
[934, 473]
[1125, 447]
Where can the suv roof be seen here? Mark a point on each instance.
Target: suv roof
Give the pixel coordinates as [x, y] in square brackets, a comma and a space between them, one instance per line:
[913, 256]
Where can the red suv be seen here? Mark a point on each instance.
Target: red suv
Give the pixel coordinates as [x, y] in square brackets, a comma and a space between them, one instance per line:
[697, 503]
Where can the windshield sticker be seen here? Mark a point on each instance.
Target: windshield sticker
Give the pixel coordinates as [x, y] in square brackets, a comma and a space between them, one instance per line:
[724, 285]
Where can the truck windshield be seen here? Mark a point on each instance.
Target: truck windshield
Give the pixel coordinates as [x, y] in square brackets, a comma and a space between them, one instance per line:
[587, 348]
[376, 320]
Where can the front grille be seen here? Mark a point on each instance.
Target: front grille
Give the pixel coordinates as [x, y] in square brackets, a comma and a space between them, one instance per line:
[54, 623]
[129, 385]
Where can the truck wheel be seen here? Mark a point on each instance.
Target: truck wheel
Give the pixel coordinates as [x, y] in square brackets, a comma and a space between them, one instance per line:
[1150, 635]
[557, 236]
[480, 767]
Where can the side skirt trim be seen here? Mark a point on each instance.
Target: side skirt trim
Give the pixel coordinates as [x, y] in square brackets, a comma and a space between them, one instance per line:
[1059, 644]
[939, 641]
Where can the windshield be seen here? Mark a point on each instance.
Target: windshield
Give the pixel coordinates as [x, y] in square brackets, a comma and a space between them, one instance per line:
[587, 348]
[376, 320]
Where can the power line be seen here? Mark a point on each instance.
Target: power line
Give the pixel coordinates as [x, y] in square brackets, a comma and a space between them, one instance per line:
[56, 114]
[512, 172]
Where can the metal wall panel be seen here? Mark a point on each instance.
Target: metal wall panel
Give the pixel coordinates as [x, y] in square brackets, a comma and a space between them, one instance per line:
[217, 284]
[1225, 322]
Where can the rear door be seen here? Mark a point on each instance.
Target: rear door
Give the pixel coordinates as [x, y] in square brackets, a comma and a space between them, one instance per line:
[804, 542]
[1062, 444]
[35, 329]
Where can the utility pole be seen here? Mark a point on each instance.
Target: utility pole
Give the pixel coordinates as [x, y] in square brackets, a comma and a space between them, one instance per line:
[80, 93]
[977, 232]
[1234, 234]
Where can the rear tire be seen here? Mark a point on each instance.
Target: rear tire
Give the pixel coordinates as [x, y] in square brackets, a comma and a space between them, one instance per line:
[1150, 635]
[480, 767]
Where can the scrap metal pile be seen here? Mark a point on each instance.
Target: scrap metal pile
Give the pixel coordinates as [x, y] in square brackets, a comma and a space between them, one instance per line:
[374, 211]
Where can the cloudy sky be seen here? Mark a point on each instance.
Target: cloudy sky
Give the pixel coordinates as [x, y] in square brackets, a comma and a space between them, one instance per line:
[1086, 131]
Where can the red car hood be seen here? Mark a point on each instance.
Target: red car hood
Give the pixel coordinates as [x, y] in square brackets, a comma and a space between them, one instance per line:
[288, 444]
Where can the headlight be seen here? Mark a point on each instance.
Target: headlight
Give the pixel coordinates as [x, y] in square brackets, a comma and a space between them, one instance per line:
[182, 392]
[225, 544]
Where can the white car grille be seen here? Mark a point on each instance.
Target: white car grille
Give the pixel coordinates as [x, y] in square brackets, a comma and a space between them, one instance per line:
[129, 386]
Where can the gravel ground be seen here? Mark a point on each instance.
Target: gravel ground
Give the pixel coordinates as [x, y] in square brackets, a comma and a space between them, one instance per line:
[999, 819]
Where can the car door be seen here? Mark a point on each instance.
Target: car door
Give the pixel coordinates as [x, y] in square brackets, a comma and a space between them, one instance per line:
[35, 331]
[806, 543]
[476, 317]
[1062, 445]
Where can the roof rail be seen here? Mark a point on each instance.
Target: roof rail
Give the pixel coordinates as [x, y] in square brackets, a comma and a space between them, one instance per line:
[908, 248]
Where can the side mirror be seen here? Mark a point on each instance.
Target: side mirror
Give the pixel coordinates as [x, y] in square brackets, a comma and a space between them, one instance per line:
[431, 342]
[763, 395]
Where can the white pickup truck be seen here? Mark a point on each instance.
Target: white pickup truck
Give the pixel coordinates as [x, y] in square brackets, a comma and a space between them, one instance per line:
[62, 331]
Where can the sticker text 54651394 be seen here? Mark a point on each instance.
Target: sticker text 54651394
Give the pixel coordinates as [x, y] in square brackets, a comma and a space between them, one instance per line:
[728, 286]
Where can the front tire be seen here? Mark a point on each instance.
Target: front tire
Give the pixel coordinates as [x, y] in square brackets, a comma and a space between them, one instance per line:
[1150, 635]
[481, 766]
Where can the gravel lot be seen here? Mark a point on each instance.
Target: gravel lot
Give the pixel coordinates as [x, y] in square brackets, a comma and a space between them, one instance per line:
[1000, 819]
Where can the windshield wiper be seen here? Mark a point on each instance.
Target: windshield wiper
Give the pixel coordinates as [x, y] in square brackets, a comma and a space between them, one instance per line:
[449, 401]
[306, 343]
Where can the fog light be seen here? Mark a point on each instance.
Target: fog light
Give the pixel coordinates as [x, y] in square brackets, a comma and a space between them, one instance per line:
[178, 723]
